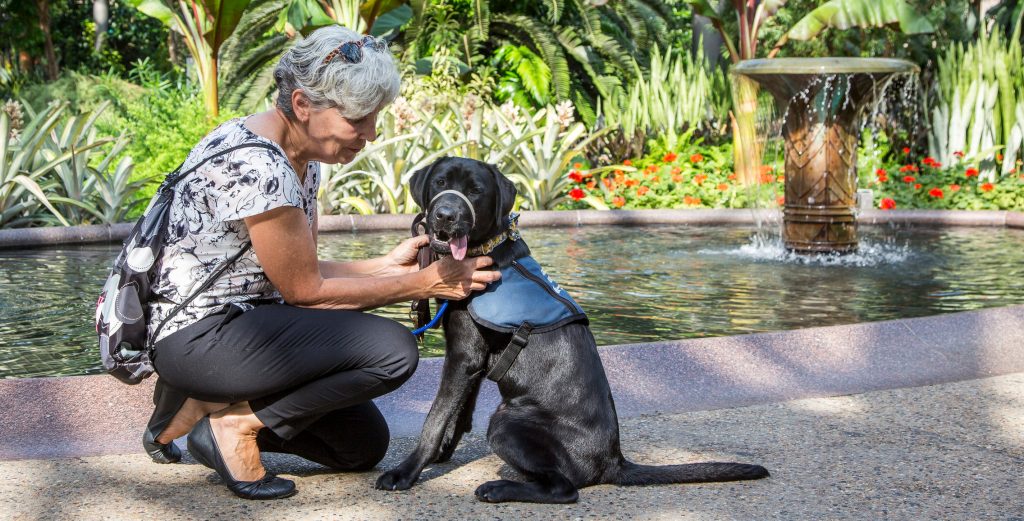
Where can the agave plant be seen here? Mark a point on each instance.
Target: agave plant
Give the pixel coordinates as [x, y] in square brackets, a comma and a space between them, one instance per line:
[26, 160]
[540, 152]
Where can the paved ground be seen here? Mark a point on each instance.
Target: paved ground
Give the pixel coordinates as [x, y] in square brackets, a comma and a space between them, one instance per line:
[950, 451]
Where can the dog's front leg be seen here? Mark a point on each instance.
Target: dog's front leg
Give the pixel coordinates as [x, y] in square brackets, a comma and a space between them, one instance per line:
[464, 368]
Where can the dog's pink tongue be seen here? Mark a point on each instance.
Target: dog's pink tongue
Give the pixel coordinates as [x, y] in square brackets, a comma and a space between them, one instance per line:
[458, 247]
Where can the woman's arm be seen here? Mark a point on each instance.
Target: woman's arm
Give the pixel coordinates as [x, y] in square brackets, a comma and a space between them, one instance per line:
[285, 246]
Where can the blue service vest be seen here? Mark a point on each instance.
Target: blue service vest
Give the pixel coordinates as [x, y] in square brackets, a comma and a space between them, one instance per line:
[524, 294]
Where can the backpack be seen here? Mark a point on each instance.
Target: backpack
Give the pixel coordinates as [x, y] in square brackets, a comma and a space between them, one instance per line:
[122, 315]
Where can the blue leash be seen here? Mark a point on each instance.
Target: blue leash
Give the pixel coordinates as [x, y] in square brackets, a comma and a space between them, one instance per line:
[433, 321]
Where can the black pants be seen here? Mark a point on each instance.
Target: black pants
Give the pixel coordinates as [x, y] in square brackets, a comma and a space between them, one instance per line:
[308, 374]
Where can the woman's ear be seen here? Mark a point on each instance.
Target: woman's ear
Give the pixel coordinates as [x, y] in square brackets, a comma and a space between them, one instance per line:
[301, 106]
[504, 197]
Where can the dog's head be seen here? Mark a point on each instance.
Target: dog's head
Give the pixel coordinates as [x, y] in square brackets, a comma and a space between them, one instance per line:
[466, 202]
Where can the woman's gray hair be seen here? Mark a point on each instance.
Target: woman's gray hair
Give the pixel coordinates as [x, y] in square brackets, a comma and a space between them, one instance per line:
[357, 89]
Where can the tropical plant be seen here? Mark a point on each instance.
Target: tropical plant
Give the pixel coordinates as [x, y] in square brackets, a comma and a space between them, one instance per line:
[978, 106]
[26, 159]
[586, 47]
[542, 148]
[204, 25]
[679, 93]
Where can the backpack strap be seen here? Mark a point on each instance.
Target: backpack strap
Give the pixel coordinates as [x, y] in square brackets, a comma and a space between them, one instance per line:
[508, 356]
[205, 286]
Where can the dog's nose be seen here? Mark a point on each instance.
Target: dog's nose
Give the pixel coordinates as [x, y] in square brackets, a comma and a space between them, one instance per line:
[445, 214]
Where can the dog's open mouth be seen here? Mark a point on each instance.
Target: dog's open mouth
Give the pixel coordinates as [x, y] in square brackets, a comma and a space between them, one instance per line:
[456, 246]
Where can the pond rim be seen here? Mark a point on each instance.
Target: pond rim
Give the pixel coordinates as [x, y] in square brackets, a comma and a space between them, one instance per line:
[107, 233]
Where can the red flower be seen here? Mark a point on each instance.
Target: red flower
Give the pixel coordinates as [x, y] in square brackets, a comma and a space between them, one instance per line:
[959, 154]
[669, 157]
[677, 177]
[652, 168]
[676, 170]
[577, 194]
[723, 187]
[971, 172]
[767, 178]
[999, 157]
[696, 158]
[618, 201]
[954, 188]
[880, 172]
[591, 184]
[699, 178]
[632, 182]
[691, 201]
[627, 163]
[987, 187]
[781, 200]
[882, 178]
[576, 177]
[887, 203]
[577, 166]
[608, 183]
[936, 193]
[732, 176]
[917, 186]
[909, 179]
[906, 150]
[641, 190]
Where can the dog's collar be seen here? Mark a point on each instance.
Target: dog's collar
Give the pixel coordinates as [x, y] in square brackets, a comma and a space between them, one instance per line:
[511, 233]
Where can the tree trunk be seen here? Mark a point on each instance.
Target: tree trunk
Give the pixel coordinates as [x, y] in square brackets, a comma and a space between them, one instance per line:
[746, 149]
[100, 15]
[52, 71]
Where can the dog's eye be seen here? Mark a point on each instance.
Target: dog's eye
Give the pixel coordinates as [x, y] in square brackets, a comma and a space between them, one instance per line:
[475, 191]
[439, 182]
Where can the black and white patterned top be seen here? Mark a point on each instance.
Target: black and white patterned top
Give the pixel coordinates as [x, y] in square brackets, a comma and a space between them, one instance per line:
[206, 225]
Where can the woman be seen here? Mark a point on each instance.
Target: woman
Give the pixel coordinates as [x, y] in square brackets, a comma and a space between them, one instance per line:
[276, 355]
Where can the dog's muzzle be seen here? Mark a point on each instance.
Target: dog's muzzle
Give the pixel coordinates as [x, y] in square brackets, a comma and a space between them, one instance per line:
[445, 220]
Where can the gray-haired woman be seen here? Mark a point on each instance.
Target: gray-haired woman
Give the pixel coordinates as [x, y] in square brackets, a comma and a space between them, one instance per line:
[277, 354]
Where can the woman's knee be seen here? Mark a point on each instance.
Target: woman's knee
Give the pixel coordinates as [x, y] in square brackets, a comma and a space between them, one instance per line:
[403, 354]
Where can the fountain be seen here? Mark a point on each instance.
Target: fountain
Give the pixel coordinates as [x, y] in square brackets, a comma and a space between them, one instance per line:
[822, 100]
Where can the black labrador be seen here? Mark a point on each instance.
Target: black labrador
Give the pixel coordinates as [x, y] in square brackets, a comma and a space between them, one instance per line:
[556, 424]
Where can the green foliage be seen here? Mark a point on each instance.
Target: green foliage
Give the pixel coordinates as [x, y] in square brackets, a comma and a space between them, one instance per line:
[57, 162]
[525, 78]
[978, 104]
[679, 94]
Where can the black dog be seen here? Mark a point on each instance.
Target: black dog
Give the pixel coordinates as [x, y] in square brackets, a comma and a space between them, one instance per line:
[556, 424]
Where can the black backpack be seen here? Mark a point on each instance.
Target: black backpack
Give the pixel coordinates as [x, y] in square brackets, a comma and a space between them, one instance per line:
[121, 311]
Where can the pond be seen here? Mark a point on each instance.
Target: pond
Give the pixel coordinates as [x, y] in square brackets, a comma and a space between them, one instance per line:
[637, 284]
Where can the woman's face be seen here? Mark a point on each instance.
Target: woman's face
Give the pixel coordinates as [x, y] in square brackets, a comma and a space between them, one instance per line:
[336, 139]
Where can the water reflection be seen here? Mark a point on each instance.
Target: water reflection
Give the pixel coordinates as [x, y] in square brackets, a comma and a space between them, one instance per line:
[637, 284]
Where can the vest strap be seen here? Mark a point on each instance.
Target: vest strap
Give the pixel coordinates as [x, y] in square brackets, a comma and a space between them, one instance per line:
[508, 356]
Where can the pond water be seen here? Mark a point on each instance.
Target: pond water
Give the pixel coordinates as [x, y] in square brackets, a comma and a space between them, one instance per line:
[636, 284]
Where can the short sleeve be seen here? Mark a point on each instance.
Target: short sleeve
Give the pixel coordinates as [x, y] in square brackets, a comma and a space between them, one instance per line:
[251, 181]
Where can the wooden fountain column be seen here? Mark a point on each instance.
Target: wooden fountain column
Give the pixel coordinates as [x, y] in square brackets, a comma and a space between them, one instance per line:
[821, 139]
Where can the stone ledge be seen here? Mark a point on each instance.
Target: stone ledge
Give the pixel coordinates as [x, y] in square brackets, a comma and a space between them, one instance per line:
[49, 236]
[93, 415]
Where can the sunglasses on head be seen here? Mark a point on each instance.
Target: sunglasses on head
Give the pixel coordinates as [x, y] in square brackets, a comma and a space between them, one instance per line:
[352, 51]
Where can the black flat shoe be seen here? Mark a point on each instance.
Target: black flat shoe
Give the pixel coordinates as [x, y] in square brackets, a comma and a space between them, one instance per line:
[167, 402]
[203, 447]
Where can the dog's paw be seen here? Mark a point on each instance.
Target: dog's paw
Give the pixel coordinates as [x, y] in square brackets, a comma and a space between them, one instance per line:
[395, 480]
[494, 491]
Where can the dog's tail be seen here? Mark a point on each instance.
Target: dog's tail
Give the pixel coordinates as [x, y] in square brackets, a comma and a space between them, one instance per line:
[633, 474]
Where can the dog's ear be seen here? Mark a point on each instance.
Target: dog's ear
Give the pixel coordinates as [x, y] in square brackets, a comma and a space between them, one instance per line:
[505, 196]
[418, 184]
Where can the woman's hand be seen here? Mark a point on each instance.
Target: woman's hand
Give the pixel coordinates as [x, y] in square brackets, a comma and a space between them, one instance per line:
[403, 258]
[456, 280]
